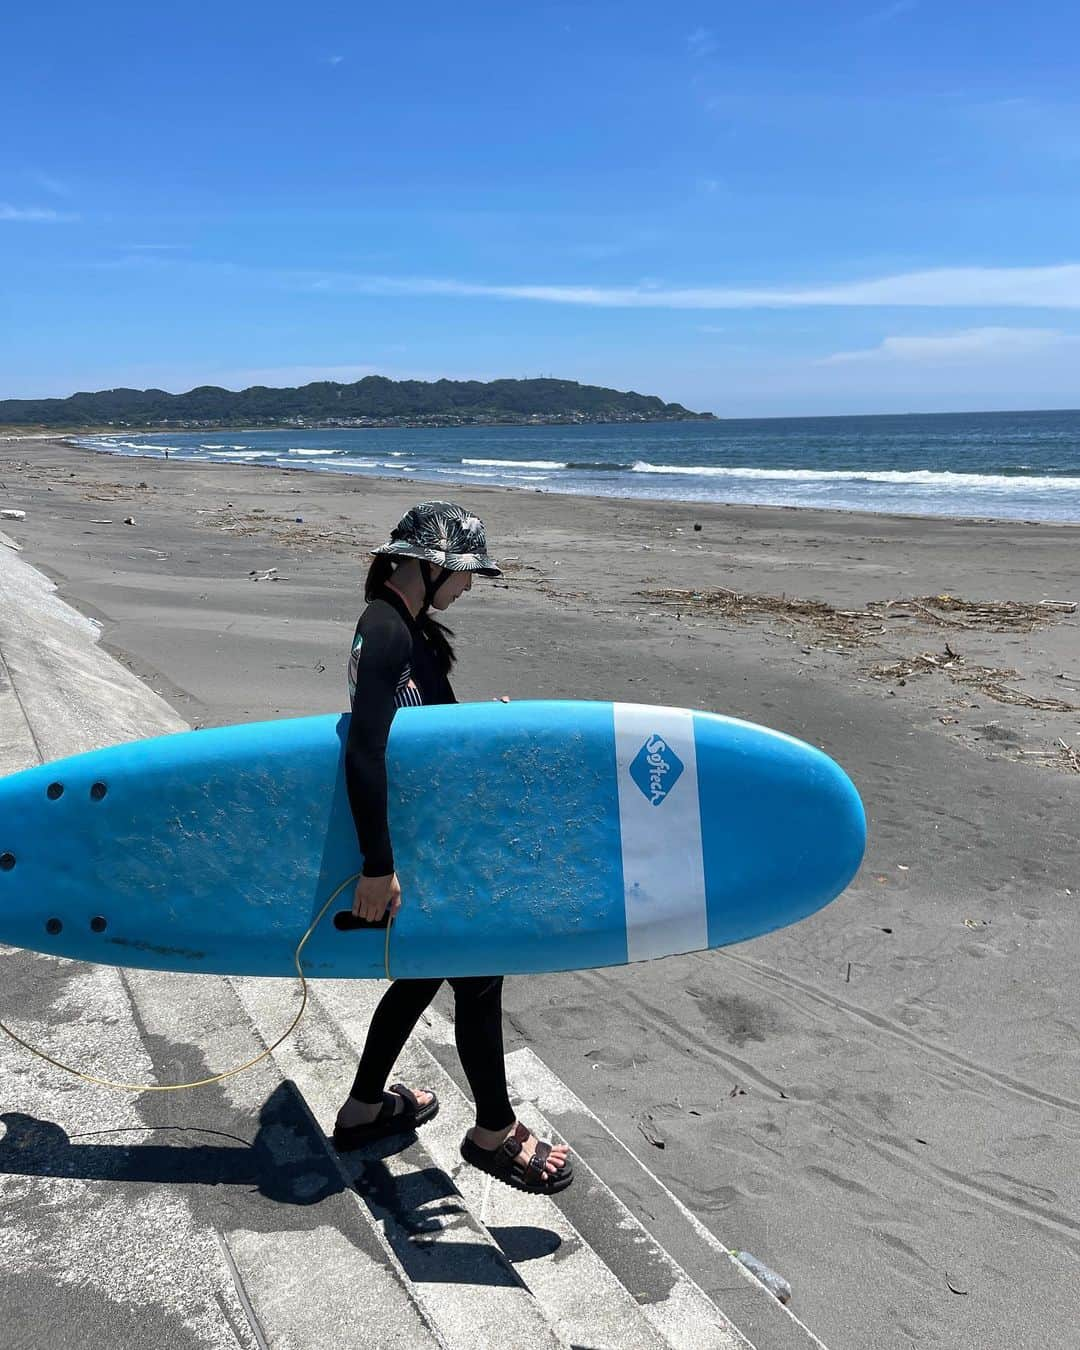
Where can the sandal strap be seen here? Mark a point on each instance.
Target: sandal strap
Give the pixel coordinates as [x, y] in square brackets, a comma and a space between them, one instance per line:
[408, 1095]
[387, 1109]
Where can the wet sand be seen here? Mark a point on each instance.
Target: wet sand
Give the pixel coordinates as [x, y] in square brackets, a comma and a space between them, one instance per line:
[881, 1101]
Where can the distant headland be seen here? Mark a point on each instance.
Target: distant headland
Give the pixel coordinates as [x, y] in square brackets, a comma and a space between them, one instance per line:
[370, 402]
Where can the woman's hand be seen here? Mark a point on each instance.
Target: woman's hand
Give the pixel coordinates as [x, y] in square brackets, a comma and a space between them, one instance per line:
[373, 895]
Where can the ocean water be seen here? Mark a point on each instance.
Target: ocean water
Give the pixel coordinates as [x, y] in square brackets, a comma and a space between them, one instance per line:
[1002, 465]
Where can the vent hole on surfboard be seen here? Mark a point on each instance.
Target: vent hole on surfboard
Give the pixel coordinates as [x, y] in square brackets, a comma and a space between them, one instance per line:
[54, 790]
[53, 926]
[7, 862]
[97, 924]
[97, 792]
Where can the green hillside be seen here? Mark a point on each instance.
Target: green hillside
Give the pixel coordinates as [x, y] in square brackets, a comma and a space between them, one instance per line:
[371, 401]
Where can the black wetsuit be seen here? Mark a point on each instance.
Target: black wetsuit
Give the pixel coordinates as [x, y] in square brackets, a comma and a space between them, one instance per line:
[392, 665]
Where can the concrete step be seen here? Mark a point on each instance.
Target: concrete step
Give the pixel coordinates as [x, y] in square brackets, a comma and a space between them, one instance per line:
[462, 1278]
[315, 1269]
[609, 1286]
[541, 1097]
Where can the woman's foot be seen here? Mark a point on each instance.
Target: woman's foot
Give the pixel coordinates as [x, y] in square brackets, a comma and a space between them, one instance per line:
[363, 1113]
[516, 1157]
[399, 1111]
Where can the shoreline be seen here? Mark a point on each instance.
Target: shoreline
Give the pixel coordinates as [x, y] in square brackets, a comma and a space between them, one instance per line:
[863, 1100]
[685, 503]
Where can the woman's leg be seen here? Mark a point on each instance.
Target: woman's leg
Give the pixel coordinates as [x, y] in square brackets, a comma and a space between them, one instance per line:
[479, 1038]
[391, 1026]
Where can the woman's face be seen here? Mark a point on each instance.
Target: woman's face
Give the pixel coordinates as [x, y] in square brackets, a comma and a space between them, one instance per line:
[457, 583]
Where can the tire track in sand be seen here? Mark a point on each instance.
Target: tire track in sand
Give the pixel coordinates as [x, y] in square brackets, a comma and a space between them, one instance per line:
[859, 1132]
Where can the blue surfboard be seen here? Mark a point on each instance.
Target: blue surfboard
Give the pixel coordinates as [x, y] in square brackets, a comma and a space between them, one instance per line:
[528, 837]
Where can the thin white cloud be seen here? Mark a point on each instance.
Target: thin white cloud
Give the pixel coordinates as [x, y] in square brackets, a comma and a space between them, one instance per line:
[34, 214]
[334, 60]
[889, 12]
[702, 42]
[1053, 287]
[50, 183]
[970, 344]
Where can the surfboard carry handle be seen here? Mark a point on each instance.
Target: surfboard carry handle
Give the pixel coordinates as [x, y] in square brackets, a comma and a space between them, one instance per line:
[345, 921]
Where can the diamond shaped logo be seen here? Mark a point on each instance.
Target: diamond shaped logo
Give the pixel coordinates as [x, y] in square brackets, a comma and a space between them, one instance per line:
[656, 768]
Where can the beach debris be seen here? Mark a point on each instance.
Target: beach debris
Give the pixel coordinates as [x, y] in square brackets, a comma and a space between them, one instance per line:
[129, 520]
[737, 1091]
[697, 527]
[976, 923]
[855, 627]
[1070, 754]
[847, 977]
[1001, 694]
[11, 513]
[999, 616]
[647, 1126]
[774, 1283]
[953, 1288]
[268, 574]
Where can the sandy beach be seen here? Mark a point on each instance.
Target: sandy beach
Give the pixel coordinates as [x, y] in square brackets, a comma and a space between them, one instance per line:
[881, 1102]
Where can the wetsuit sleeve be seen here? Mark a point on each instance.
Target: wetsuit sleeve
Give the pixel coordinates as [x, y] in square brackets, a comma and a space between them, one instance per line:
[380, 657]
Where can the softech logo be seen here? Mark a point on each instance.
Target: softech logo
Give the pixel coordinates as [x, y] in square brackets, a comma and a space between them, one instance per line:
[656, 769]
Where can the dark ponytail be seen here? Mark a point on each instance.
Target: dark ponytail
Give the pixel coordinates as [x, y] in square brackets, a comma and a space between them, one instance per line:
[379, 573]
[436, 634]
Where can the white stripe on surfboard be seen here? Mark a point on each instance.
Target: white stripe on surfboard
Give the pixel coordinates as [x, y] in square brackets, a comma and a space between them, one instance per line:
[660, 824]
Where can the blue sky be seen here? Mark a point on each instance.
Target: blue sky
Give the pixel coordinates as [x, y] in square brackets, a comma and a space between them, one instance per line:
[769, 210]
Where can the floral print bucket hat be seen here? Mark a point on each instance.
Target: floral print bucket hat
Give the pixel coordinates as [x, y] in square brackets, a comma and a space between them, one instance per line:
[442, 533]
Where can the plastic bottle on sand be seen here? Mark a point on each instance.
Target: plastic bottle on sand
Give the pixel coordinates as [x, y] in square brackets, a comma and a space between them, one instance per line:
[774, 1283]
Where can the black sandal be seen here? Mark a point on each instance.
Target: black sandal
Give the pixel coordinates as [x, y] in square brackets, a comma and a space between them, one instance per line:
[389, 1120]
[505, 1165]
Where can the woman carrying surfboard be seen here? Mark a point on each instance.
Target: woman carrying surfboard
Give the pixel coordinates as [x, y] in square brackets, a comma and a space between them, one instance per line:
[401, 657]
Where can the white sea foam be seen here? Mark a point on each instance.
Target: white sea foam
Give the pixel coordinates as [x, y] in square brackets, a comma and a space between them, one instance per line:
[241, 456]
[516, 463]
[304, 450]
[914, 477]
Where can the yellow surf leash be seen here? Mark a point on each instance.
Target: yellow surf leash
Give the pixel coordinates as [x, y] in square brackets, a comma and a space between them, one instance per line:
[227, 1073]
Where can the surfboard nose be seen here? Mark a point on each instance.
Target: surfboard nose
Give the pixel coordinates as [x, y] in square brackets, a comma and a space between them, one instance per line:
[786, 828]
